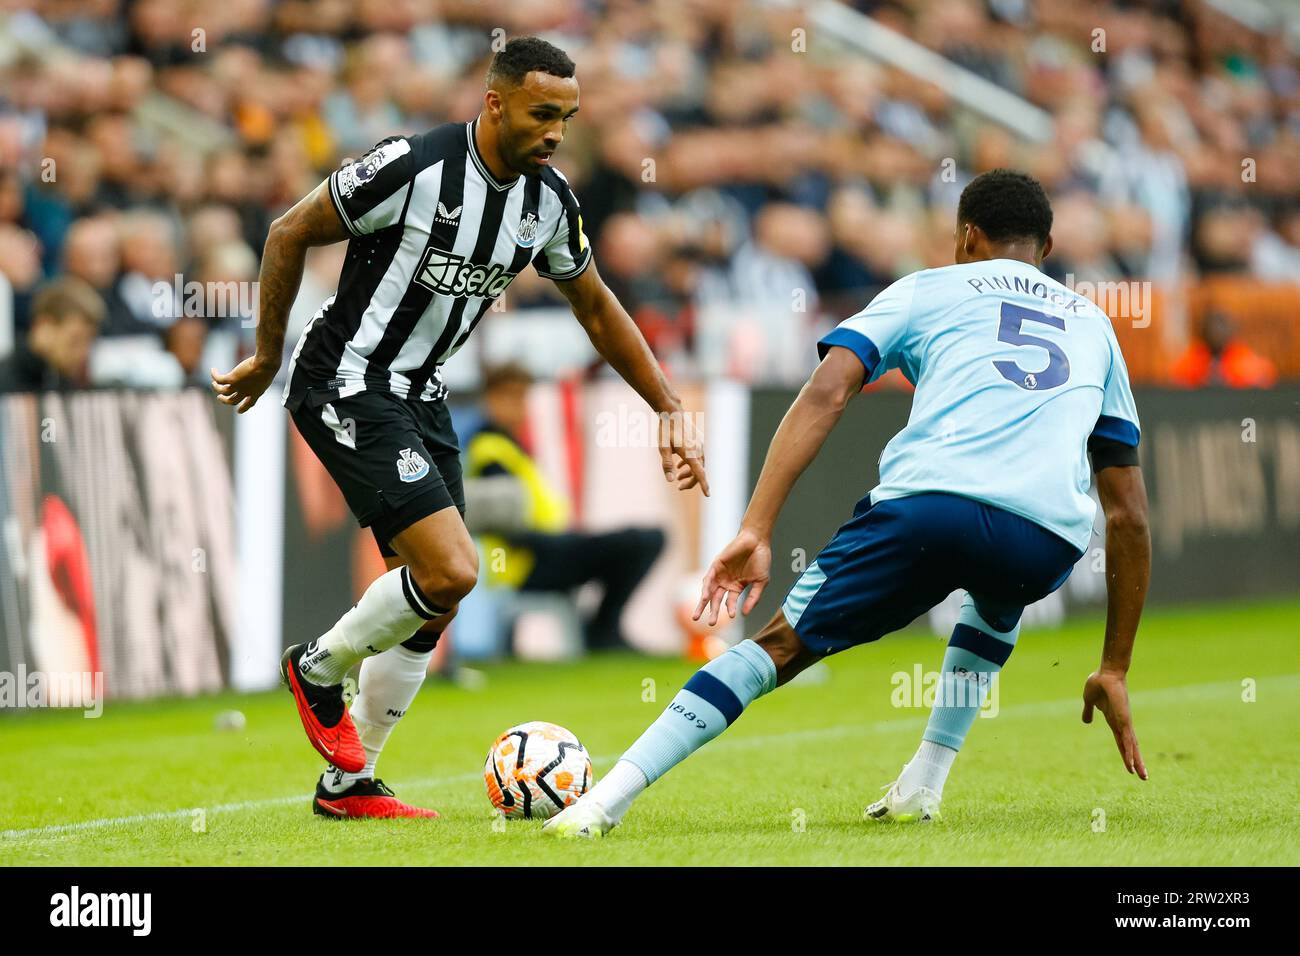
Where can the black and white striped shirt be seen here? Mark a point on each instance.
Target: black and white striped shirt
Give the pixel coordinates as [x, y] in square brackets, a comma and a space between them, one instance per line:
[436, 238]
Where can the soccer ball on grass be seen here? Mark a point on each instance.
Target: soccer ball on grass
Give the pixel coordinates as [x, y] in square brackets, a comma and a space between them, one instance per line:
[535, 770]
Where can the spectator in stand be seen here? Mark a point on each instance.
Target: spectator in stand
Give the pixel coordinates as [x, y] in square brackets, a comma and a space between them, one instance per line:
[1218, 357]
[92, 252]
[1082, 242]
[66, 316]
[637, 264]
[149, 269]
[846, 277]
[706, 128]
[20, 271]
[228, 273]
[184, 340]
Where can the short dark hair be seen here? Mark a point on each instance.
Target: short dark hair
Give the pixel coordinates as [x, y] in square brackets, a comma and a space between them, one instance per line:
[68, 296]
[506, 373]
[523, 55]
[1007, 205]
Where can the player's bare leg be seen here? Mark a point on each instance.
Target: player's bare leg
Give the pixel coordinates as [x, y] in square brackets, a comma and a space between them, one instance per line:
[788, 653]
[441, 566]
[708, 704]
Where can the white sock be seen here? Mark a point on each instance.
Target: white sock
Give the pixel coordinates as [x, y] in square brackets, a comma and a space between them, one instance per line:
[929, 768]
[390, 611]
[618, 788]
[386, 690]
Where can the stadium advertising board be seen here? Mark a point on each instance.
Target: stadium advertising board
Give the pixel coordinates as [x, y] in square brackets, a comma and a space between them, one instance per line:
[117, 565]
[1222, 469]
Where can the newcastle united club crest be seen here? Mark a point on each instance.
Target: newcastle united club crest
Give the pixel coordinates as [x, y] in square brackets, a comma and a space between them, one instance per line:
[527, 230]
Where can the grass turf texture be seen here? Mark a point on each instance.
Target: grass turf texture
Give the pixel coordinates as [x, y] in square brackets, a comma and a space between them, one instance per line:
[785, 785]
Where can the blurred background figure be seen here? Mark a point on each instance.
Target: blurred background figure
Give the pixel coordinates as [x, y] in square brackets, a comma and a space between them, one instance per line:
[66, 316]
[184, 340]
[529, 545]
[741, 197]
[1218, 357]
[92, 251]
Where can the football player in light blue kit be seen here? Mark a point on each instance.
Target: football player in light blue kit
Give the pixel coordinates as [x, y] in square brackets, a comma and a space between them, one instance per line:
[1018, 380]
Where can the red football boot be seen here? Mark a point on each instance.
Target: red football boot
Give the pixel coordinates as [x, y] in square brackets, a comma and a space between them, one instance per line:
[365, 799]
[324, 715]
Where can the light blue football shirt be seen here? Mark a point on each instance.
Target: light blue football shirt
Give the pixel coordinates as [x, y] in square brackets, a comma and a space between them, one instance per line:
[1013, 373]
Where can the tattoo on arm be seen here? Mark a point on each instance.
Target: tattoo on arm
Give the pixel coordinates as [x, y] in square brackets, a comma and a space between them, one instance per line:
[313, 221]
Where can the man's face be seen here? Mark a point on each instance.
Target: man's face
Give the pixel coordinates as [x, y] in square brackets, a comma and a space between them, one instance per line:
[507, 404]
[92, 254]
[185, 340]
[534, 119]
[64, 343]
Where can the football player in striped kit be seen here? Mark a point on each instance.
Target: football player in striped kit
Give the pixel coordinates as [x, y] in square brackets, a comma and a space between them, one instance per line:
[437, 225]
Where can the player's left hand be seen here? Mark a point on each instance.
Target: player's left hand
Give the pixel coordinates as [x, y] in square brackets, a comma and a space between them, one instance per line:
[679, 440]
[745, 562]
[244, 384]
[1107, 691]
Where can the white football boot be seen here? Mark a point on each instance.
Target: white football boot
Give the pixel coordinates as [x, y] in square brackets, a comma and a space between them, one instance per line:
[919, 806]
[584, 820]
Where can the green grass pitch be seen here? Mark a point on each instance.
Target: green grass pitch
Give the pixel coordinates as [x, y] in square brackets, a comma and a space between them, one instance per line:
[785, 785]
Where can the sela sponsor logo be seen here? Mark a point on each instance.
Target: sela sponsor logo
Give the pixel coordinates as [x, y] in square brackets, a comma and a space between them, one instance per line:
[80, 689]
[449, 274]
[411, 465]
[74, 908]
[449, 216]
[527, 231]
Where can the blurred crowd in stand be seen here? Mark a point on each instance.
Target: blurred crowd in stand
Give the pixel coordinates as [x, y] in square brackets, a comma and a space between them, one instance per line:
[743, 188]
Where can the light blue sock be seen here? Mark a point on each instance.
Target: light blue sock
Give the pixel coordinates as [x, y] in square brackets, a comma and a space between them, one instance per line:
[975, 655]
[709, 703]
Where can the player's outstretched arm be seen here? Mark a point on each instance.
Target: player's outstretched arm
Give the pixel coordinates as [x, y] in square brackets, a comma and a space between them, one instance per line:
[1128, 571]
[620, 342]
[313, 221]
[746, 561]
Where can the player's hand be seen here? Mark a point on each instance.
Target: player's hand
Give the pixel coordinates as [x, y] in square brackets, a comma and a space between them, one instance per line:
[745, 562]
[679, 439]
[1108, 692]
[243, 385]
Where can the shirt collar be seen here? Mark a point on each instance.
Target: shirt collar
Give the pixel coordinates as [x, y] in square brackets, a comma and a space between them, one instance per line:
[482, 166]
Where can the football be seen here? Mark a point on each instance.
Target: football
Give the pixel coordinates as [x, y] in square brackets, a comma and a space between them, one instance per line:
[535, 770]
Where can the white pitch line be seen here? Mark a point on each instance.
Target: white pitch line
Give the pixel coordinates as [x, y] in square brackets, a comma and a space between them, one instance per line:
[1161, 695]
[236, 807]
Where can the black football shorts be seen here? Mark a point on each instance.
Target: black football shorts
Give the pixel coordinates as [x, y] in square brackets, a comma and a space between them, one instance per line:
[395, 460]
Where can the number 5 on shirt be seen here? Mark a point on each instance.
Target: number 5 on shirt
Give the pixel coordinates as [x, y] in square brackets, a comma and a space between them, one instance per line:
[1011, 319]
